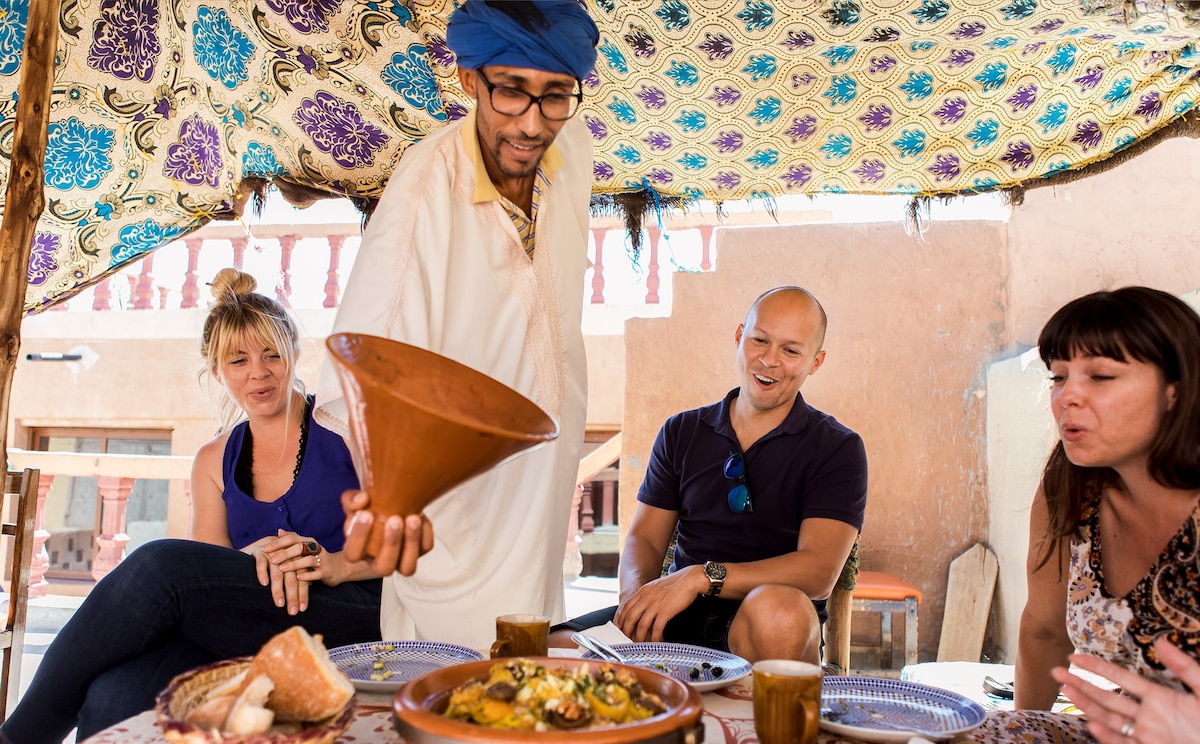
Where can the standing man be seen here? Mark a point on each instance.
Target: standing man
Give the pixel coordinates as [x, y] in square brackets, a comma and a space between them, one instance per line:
[768, 494]
[477, 252]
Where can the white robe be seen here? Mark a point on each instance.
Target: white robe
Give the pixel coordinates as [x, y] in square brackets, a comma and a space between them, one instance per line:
[440, 269]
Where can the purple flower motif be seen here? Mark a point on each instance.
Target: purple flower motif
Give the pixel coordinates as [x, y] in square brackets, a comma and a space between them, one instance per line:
[1087, 134]
[306, 16]
[1154, 58]
[729, 141]
[1025, 97]
[880, 65]
[196, 157]
[596, 126]
[125, 39]
[1029, 49]
[951, 111]
[1149, 106]
[42, 262]
[797, 175]
[602, 171]
[660, 175]
[1048, 25]
[945, 167]
[336, 127]
[1090, 78]
[725, 95]
[1101, 37]
[591, 81]
[1019, 155]
[958, 58]
[796, 41]
[652, 97]
[799, 81]
[716, 47]
[878, 117]
[970, 30]
[437, 50]
[727, 179]
[455, 111]
[641, 42]
[802, 128]
[871, 171]
[658, 140]
[163, 107]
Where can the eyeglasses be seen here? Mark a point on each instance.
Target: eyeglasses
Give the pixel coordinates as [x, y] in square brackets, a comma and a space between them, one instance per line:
[739, 495]
[514, 102]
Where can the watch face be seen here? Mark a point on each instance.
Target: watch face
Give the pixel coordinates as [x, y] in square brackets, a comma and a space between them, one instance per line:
[715, 571]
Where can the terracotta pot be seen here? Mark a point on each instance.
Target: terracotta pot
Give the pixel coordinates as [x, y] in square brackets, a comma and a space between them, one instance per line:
[419, 705]
[421, 424]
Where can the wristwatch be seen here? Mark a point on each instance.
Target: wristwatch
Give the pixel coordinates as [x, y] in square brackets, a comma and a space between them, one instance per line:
[716, 577]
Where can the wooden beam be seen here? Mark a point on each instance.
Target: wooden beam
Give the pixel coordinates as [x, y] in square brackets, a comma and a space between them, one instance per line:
[25, 197]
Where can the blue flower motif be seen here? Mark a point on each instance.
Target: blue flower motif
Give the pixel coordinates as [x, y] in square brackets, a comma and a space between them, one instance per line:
[842, 89]
[993, 76]
[409, 75]
[77, 156]
[692, 121]
[1119, 91]
[919, 86]
[685, 74]
[693, 161]
[839, 54]
[766, 110]
[142, 237]
[1002, 42]
[931, 11]
[911, 143]
[616, 60]
[1055, 116]
[984, 133]
[836, 147]
[628, 155]
[674, 14]
[623, 110]
[14, 14]
[762, 67]
[1063, 59]
[1019, 9]
[260, 162]
[219, 48]
[758, 15]
[763, 158]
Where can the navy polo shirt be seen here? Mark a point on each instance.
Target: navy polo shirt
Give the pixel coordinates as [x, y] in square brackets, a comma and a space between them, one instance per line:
[809, 466]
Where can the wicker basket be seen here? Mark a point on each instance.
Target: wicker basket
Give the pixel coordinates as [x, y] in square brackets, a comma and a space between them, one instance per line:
[190, 689]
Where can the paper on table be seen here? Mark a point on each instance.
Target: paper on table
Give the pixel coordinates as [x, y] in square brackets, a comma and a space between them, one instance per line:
[609, 633]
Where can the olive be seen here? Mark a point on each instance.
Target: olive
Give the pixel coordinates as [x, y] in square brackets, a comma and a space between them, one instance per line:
[717, 671]
[502, 691]
[569, 714]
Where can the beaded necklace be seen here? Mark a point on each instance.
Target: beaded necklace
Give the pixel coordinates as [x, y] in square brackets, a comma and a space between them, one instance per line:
[243, 472]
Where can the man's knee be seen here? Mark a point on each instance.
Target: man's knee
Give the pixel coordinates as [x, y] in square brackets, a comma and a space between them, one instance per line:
[779, 605]
[776, 621]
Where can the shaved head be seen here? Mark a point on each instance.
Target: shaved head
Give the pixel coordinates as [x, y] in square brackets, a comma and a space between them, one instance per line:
[794, 294]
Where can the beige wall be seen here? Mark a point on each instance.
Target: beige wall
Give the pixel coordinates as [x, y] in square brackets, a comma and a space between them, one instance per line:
[910, 323]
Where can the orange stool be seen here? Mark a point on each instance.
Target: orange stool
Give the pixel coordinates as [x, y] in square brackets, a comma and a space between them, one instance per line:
[886, 594]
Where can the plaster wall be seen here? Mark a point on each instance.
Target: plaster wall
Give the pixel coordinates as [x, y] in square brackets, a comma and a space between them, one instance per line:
[911, 322]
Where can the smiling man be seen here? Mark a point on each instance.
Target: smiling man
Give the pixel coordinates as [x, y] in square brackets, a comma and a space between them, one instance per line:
[477, 252]
[768, 494]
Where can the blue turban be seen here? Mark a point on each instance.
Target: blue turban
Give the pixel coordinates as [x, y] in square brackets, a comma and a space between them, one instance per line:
[480, 35]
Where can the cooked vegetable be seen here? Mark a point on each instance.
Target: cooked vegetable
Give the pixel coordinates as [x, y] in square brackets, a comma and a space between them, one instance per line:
[519, 694]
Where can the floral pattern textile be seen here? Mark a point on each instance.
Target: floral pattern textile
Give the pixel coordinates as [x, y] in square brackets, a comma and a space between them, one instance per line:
[1123, 631]
[162, 107]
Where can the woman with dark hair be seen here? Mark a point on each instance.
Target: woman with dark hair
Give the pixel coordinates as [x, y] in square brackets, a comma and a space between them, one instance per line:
[1115, 526]
[265, 553]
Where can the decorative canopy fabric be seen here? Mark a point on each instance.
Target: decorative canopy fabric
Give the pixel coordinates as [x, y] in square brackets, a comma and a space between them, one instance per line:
[163, 109]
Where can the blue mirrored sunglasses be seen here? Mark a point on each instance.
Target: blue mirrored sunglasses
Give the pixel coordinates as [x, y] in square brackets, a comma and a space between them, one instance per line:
[739, 495]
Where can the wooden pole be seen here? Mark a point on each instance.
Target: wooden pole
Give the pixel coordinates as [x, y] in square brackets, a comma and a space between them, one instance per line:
[24, 197]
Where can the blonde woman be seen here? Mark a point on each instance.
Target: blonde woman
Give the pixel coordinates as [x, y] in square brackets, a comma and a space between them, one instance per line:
[265, 552]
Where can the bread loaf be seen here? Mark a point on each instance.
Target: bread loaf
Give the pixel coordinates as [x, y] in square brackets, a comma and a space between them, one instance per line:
[308, 686]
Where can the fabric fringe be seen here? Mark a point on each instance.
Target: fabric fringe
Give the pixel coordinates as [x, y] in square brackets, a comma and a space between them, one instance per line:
[632, 206]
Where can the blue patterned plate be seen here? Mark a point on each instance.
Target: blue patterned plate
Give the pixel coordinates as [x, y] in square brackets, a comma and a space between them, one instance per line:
[873, 709]
[384, 666]
[703, 668]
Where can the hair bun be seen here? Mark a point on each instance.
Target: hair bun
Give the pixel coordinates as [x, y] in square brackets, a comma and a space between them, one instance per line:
[232, 282]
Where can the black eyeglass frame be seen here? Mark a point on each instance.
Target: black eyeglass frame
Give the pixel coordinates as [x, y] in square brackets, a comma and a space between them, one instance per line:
[532, 99]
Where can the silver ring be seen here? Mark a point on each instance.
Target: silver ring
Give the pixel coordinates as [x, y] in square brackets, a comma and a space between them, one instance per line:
[1128, 729]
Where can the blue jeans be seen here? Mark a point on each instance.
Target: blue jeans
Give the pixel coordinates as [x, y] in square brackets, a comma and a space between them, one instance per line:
[170, 606]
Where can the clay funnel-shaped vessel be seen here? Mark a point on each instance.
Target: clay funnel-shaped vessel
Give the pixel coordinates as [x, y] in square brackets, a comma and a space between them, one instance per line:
[421, 424]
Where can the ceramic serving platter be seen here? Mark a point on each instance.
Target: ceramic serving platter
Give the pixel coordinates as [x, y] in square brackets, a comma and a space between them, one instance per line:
[704, 669]
[872, 709]
[384, 666]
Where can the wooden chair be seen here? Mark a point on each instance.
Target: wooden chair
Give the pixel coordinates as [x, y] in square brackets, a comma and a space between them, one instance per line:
[22, 488]
[887, 594]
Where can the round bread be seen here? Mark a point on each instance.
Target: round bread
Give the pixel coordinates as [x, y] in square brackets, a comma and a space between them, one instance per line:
[308, 687]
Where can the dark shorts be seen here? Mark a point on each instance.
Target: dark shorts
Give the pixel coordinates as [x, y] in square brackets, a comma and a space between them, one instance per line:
[703, 623]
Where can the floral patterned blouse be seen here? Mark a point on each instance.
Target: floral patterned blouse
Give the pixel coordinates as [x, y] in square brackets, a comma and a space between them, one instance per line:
[1164, 603]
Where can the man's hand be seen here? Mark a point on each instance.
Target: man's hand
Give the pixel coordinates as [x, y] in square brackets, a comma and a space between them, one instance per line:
[644, 615]
[405, 539]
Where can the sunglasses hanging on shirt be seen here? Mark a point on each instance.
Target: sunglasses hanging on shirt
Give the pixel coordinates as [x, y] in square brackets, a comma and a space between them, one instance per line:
[739, 494]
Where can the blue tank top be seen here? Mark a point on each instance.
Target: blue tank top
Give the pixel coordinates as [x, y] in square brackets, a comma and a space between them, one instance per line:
[311, 507]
